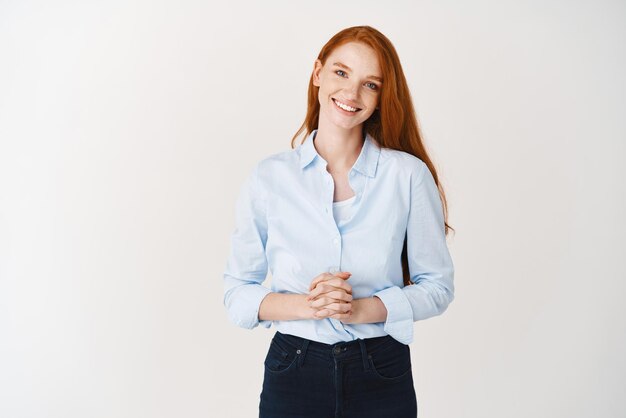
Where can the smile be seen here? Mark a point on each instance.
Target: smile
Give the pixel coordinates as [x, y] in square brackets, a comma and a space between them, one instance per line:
[345, 106]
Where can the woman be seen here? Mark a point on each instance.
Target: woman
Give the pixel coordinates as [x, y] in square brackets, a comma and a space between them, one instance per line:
[351, 224]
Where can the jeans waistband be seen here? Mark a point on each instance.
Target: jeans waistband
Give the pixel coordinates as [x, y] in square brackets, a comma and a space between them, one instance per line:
[344, 350]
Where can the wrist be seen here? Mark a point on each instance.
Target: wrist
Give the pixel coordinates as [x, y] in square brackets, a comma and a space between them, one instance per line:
[367, 310]
[305, 311]
[357, 313]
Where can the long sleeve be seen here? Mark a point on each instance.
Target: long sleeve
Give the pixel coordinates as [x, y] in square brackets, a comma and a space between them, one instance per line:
[246, 267]
[430, 264]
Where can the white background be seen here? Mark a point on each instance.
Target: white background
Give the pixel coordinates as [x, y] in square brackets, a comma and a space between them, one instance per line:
[127, 128]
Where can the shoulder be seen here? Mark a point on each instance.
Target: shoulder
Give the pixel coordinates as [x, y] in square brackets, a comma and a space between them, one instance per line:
[278, 159]
[277, 164]
[269, 169]
[405, 163]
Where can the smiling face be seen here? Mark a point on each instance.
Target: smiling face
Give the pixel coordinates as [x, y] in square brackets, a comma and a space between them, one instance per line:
[349, 85]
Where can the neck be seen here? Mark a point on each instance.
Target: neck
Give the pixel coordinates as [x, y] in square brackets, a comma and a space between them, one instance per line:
[339, 147]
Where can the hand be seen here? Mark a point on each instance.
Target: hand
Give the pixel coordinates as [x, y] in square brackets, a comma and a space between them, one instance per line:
[331, 296]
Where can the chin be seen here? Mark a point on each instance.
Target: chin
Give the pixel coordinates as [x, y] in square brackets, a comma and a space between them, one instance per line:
[346, 125]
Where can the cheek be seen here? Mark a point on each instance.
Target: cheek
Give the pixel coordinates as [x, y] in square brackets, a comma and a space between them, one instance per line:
[323, 96]
[371, 111]
[372, 103]
[320, 97]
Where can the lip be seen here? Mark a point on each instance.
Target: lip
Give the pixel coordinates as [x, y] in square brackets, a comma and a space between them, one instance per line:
[349, 104]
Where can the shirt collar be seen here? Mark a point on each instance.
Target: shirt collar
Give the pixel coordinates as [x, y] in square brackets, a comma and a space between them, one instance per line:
[366, 163]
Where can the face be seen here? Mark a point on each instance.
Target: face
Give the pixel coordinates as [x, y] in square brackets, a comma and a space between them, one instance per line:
[349, 85]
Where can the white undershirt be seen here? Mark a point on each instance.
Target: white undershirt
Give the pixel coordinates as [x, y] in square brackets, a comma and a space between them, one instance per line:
[342, 210]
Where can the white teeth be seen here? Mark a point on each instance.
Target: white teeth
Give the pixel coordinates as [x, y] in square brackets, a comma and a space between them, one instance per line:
[345, 107]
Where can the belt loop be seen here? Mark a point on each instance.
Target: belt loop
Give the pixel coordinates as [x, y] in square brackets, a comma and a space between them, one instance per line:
[366, 364]
[305, 345]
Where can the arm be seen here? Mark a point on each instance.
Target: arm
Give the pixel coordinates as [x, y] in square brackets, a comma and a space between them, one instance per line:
[246, 268]
[285, 307]
[247, 301]
[367, 310]
[429, 260]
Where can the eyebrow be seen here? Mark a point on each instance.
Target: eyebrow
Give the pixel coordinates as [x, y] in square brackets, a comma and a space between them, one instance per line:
[339, 64]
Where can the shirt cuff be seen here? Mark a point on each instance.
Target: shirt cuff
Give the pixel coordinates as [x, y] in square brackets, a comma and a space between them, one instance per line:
[250, 304]
[399, 322]
[265, 323]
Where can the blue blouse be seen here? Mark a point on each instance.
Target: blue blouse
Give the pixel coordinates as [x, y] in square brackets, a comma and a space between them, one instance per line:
[285, 223]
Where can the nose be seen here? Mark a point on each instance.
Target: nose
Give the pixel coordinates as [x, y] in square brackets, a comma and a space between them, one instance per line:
[353, 90]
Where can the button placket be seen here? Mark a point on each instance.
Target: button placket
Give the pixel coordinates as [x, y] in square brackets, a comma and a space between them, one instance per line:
[331, 191]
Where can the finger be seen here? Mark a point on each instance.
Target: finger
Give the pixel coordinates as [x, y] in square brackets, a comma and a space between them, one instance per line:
[321, 314]
[346, 315]
[319, 290]
[335, 294]
[325, 302]
[340, 284]
[326, 276]
[335, 282]
[340, 295]
[327, 287]
[338, 307]
[319, 278]
[325, 313]
[321, 302]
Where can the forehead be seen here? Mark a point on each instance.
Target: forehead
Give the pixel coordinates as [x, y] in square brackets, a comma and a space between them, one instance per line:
[359, 57]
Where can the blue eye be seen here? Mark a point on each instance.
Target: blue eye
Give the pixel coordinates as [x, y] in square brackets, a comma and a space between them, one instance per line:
[373, 85]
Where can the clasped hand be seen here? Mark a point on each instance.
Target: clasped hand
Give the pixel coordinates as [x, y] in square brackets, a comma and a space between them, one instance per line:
[330, 296]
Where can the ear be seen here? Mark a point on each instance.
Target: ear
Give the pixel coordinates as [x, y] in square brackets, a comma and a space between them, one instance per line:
[317, 67]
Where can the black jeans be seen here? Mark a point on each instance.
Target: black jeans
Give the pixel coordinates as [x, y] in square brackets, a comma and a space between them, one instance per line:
[363, 378]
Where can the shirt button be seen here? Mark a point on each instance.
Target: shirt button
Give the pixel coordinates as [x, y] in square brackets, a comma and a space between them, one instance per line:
[333, 270]
[352, 174]
[335, 241]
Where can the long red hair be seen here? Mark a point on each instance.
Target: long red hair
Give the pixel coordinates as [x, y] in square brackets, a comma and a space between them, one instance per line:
[394, 124]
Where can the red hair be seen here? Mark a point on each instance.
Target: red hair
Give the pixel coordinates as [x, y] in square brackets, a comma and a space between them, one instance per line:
[394, 124]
